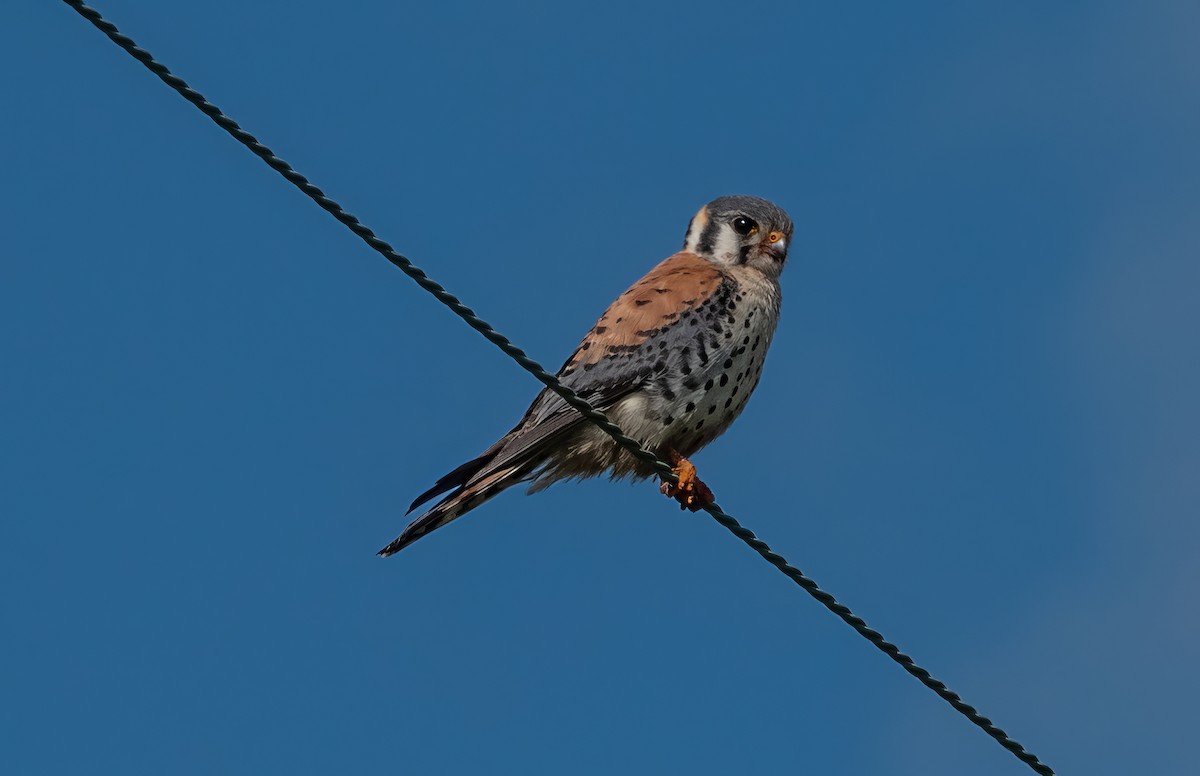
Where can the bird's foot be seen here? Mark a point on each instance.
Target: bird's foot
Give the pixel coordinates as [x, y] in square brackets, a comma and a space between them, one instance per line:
[689, 491]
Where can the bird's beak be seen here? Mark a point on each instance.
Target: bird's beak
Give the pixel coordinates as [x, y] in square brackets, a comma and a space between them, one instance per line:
[777, 249]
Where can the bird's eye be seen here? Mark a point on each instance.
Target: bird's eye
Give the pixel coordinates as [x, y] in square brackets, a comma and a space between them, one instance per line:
[744, 226]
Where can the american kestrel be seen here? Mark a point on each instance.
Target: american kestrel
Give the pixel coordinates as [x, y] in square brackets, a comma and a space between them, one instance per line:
[672, 362]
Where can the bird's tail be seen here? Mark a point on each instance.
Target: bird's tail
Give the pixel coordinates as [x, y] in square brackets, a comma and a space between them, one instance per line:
[474, 482]
[516, 457]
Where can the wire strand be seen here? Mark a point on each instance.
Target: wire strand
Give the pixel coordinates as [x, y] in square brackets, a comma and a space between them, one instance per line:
[550, 381]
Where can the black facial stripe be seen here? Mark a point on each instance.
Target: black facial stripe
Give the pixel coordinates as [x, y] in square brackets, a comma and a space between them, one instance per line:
[743, 254]
[708, 238]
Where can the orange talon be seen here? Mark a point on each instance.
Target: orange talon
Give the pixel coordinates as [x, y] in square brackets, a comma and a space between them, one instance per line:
[689, 491]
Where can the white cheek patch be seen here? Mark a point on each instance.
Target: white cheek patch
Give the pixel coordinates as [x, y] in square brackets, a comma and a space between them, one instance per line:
[699, 223]
[714, 240]
[728, 246]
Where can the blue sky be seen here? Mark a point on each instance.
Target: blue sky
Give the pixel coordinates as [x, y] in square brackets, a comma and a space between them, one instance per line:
[978, 426]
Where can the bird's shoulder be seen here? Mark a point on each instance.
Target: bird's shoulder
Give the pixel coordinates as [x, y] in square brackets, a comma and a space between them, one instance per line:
[627, 346]
[641, 334]
[652, 306]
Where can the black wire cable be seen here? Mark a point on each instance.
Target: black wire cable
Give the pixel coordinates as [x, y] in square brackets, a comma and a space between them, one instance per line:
[550, 381]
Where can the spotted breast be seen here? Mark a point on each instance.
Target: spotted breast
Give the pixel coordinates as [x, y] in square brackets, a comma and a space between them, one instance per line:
[697, 345]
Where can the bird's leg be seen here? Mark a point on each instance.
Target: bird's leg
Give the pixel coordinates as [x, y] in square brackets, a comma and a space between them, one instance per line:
[689, 491]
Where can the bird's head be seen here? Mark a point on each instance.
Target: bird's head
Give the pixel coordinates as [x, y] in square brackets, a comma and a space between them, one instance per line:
[741, 231]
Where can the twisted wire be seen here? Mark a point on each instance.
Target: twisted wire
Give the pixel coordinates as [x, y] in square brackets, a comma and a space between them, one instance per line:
[550, 381]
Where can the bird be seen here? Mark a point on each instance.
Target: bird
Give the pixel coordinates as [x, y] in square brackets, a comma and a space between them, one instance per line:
[672, 362]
